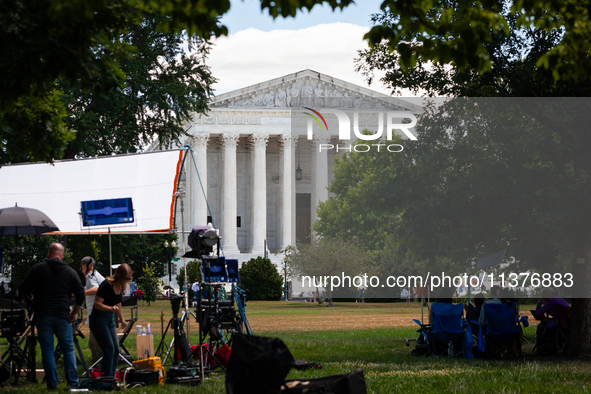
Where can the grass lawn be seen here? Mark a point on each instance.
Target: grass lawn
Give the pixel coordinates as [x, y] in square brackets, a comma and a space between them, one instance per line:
[371, 336]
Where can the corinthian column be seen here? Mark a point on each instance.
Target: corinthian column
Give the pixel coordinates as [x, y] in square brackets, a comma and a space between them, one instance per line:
[258, 202]
[319, 172]
[287, 145]
[197, 180]
[228, 210]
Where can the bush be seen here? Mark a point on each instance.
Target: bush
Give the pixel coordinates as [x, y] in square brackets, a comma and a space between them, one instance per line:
[149, 283]
[260, 277]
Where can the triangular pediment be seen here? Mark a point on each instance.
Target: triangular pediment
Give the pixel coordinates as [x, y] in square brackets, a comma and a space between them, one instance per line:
[309, 88]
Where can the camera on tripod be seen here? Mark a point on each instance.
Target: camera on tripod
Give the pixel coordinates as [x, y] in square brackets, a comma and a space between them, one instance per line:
[175, 303]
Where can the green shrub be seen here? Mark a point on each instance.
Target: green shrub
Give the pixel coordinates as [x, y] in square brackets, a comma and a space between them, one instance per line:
[260, 277]
[149, 283]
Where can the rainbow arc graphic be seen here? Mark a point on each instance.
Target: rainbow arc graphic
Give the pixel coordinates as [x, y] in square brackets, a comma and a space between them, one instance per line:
[316, 119]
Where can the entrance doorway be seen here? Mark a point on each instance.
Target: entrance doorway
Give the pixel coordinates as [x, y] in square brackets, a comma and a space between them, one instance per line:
[303, 217]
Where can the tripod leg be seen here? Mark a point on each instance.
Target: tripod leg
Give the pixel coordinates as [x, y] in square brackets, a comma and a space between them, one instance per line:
[16, 366]
[160, 345]
[57, 353]
[87, 372]
[81, 356]
[170, 348]
[31, 345]
[125, 360]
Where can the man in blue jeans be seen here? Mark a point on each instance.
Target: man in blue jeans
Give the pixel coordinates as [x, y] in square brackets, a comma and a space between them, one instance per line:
[52, 284]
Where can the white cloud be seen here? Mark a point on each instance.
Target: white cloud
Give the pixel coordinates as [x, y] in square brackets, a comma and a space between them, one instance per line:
[252, 56]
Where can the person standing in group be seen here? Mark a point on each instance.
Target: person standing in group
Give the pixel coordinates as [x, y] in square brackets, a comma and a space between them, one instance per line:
[93, 281]
[52, 284]
[102, 323]
[195, 289]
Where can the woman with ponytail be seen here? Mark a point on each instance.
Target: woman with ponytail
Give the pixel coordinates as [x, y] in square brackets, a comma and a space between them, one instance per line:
[102, 323]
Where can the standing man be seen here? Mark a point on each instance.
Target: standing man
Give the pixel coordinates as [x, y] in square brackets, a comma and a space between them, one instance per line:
[195, 289]
[52, 284]
[93, 280]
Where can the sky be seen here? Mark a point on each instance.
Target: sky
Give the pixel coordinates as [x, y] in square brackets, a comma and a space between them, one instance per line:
[259, 48]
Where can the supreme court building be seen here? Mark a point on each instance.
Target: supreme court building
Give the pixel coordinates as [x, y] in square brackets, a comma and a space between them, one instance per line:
[256, 179]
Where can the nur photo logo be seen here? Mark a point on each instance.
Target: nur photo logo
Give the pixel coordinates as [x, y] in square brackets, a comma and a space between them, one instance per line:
[388, 123]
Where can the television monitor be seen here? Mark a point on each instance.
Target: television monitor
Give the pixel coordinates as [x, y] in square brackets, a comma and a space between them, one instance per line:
[106, 212]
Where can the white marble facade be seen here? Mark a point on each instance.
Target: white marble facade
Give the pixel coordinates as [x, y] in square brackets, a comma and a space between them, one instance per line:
[246, 155]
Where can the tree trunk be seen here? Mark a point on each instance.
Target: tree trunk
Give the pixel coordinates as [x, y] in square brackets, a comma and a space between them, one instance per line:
[579, 343]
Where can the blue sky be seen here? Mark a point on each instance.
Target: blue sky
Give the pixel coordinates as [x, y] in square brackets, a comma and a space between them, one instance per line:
[245, 14]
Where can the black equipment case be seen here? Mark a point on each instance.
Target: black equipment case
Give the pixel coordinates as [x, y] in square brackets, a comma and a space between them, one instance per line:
[350, 383]
[144, 376]
[183, 375]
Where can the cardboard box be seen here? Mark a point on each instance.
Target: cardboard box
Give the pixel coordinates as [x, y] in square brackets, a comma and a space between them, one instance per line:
[143, 343]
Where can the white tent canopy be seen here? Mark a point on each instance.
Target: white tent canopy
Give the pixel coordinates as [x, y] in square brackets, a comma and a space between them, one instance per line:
[149, 179]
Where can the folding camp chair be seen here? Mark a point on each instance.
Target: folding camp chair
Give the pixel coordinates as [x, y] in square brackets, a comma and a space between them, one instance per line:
[421, 347]
[448, 332]
[501, 334]
[132, 302]
[563, 314]
[445, 335]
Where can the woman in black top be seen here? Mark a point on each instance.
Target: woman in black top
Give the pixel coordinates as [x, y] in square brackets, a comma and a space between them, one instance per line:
[102, 323]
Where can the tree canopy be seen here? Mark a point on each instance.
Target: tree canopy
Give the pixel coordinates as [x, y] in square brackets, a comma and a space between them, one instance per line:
[166, 80]
[513, 54]
[460, 33]
[136, 250]
[330, 256]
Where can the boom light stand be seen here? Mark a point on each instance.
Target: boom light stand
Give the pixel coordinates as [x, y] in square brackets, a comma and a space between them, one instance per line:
[179, 195]
[202, 240]
[170, 248]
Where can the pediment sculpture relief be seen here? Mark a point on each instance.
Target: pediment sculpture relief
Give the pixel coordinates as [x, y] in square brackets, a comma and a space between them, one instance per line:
[305, 93]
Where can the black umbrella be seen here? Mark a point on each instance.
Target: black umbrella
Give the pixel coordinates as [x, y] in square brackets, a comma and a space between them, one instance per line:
[24, 221]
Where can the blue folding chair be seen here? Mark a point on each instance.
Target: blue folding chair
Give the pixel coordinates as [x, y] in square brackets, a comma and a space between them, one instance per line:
[446, 336]
[501, 335]
[448, 331]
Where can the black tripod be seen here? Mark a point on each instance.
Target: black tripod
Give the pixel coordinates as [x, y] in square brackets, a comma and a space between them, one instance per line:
[182, 350]
[211, 329]
[21, 348]
[217, 319]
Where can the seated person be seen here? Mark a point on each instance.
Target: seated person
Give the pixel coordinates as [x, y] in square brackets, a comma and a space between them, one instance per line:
[503, 296]
[473, 311]
[547, 305]
[444, 295]
[546, 312]
[481, 317]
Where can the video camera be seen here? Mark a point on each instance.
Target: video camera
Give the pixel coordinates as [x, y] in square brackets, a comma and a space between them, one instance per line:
[175, 302]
